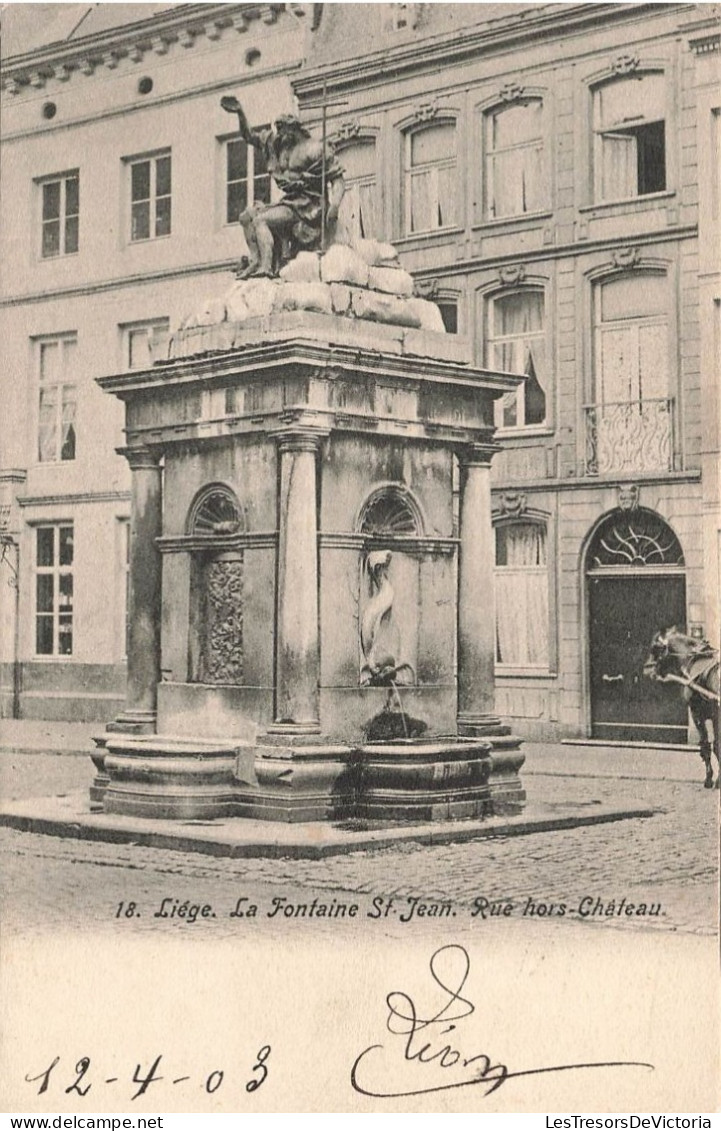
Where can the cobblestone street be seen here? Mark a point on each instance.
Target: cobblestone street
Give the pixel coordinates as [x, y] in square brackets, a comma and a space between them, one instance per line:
[671, 859]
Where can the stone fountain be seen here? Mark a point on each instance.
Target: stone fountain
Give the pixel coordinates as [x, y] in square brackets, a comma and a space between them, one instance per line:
[311, 630]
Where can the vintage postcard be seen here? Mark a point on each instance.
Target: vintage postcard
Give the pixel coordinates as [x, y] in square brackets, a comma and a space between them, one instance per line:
[360, 551]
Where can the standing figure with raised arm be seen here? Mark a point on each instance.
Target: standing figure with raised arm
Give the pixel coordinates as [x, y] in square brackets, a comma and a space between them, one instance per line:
[306, 174]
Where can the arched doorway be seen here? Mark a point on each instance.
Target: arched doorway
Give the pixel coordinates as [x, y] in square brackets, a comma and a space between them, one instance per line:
[636, 586]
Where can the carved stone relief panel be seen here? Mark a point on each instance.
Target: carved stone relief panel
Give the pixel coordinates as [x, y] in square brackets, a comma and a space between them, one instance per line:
[222, 633]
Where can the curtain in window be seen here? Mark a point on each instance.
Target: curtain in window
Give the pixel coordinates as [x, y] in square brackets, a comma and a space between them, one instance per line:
[67, 440]
[47, 424]
[424, 200]
[619, 166]
[521, 595]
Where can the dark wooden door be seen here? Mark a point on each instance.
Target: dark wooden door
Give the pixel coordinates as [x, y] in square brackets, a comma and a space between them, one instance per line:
[625, 612]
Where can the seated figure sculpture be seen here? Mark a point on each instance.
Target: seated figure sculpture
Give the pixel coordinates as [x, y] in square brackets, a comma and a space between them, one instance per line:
[305, 172]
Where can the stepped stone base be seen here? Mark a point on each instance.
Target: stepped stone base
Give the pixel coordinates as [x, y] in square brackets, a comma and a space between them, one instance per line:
[168, 777]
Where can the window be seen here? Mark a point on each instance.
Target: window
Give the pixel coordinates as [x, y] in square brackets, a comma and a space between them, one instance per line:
[629, 137]
[522, 638]
[57, 399]
[431, 183]
[630, 426]
[449, 313]
[247, 178]
[138, 339]
[516, 343]
[631, 339]
[358, 215]
[54, 590]
[150, 185]
[515, 181]
[60, 215]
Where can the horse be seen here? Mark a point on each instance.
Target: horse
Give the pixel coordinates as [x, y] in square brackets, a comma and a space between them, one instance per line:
[693, 663]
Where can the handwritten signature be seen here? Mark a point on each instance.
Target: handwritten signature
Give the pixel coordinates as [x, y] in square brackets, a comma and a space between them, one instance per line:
[422, 1044]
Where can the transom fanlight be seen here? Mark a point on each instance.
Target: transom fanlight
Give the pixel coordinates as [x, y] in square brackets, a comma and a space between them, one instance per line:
[637, 538]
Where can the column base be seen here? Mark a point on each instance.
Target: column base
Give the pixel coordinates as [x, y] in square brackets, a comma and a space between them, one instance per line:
[134, 722]
[101, 780]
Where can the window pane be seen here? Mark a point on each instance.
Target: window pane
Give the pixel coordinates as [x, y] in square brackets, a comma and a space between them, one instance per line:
[520, 313]
[237, 201]
[522, 618]
[141, 221]
[51, 238]
[521, 544]
[237, 160]
[653, 358]
[619, 166]
[424, 201]
[47, 424]
[140, 181]
[67, 448]
[358, 160]
[651, 149]
[437, 143]
[51, 201]
[65, 600]
[138, 353]
[631, 99]
[45, 545]
[72, 196]
[71, 235]
[162, 216]
[45, 588]
[449, 314]
[633, 297]
[447, 189]
[516, 125]
[49, 361]
[66, 545]
[162, 176]
[65, 636]
[44, 635]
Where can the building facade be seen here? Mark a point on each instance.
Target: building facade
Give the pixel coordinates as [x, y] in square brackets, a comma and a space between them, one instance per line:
[122, 182]
[549, 176]
[541, 169]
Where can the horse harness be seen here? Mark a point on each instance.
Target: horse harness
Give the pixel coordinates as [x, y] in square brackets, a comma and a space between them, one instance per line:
[696, 668]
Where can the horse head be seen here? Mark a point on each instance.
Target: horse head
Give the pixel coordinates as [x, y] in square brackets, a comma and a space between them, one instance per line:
[659, 658]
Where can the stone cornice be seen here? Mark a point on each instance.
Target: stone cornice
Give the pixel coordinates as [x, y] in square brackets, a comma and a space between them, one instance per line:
[183, 24]
[457, 45]
[316, 360]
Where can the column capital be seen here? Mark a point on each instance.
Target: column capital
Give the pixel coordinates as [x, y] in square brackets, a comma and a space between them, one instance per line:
[141, 458]
[299, 439]
[477, 455]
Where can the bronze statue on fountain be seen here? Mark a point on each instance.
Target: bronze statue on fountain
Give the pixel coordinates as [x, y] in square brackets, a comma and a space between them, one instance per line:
[311, 183]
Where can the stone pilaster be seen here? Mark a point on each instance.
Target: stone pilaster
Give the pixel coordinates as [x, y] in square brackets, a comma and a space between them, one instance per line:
[144, 611]
[297, 646]
[476, 609]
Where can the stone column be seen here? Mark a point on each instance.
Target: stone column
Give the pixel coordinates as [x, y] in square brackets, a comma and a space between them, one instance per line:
[476, 610]
[144, 611]
[297, 646]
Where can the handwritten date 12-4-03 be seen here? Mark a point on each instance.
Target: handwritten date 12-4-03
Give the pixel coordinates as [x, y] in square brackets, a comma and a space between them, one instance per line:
[85, 1077]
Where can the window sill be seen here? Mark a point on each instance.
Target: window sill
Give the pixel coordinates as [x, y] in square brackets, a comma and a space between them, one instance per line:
[532, 432]
[507, 671]
[148, 239]
[423, 237]
[625, 202]
[528, 218]
[60, 255]
[54, 463]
